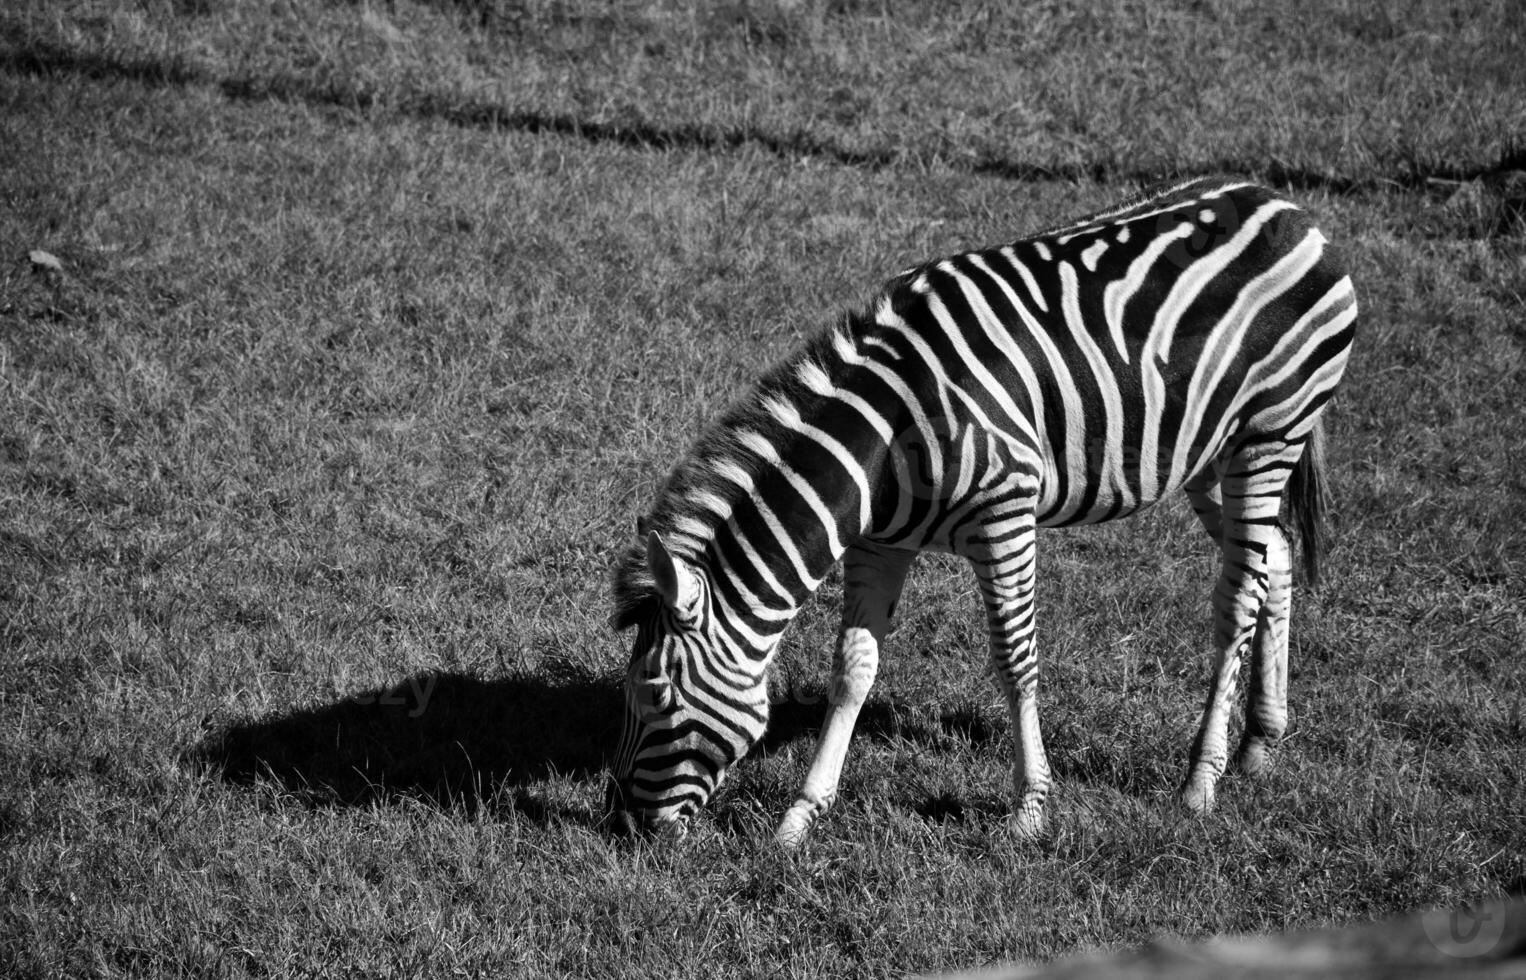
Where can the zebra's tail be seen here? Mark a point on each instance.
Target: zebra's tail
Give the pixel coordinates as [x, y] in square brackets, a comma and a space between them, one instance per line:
[1306, 501]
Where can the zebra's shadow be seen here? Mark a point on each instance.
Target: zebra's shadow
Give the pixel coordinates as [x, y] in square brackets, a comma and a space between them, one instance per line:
[448, 739]
[1087, 766]
[880, 719]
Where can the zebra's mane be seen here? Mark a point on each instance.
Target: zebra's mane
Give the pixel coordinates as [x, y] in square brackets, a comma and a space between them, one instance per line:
[685, 526]
[1153, 196]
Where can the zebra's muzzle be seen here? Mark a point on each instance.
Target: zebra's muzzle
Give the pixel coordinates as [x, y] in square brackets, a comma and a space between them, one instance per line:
[616, 817]
[626, 822]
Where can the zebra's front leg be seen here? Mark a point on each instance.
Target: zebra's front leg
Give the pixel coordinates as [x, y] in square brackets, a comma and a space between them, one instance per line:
[1006, 576]
[872, 582]
[1250, 541]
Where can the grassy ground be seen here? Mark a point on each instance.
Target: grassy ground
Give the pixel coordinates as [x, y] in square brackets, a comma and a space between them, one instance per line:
[378, 323]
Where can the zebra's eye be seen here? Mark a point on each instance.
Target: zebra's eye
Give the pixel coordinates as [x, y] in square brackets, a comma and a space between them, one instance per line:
[654, 698]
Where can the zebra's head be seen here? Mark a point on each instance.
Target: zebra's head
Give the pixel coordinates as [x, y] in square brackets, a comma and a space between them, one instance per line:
[695, 697]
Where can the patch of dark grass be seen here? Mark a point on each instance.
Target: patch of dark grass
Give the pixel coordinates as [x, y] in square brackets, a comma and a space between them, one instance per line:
[451, 739]
[946, 103]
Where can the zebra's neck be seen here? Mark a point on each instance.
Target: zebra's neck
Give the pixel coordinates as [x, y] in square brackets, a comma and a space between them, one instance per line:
[775, 492]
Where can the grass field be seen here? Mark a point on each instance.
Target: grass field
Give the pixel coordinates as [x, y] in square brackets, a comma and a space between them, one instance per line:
[379, 322]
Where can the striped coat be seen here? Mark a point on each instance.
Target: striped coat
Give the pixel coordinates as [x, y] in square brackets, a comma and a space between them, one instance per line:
[1185, 340]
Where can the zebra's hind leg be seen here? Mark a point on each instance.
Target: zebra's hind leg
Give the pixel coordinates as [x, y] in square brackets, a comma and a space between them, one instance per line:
[1006, 573]
[872, 582]
[1266, 703]
[1252, 545]
[1266, 700]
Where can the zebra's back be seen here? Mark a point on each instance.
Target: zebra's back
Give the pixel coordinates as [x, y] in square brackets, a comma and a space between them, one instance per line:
[1123, 354]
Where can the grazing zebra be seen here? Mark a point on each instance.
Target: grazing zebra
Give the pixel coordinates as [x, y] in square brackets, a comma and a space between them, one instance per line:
[1188, 338]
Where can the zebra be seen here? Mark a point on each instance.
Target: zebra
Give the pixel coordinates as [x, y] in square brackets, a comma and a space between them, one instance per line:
[1187, 338]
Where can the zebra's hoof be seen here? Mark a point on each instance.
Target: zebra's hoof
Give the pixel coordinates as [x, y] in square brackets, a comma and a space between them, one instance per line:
[793, 828]
[1028, 823]
[1253, 759]
[1197, 796]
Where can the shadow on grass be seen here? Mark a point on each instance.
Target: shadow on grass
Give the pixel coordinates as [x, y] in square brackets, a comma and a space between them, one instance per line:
[801, 719]
[956, 727]
[970, 734]
[455, 741]
[955, 730]
[449, 739]
[41, 58]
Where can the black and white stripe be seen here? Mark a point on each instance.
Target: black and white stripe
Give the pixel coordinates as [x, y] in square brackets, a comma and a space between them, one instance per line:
[1187, 339]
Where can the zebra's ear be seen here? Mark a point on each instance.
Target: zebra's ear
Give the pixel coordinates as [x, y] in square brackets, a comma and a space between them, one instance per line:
[676, 582]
